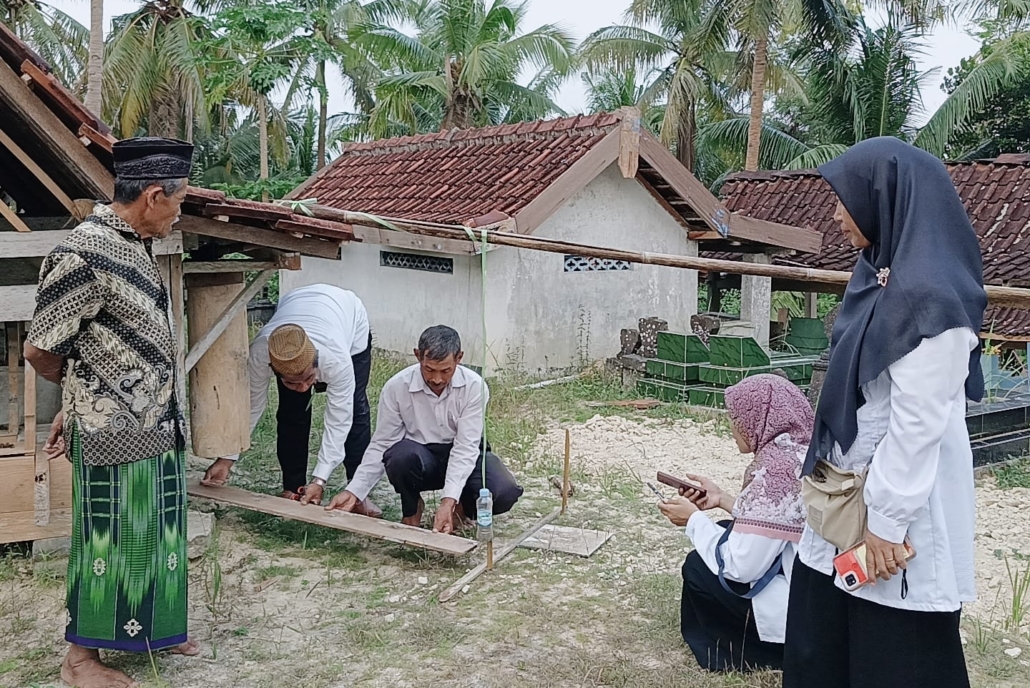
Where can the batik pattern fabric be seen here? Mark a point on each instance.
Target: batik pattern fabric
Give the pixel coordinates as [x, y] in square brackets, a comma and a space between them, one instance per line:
[775, 418]
[127, 568]
[103, 306]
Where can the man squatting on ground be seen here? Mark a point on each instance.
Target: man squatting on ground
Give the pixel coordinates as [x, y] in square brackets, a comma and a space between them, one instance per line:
[318, 338]
[429, 435]
[102, 330]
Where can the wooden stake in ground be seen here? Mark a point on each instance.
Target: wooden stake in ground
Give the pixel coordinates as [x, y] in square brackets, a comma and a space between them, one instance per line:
[568, 470]
[490, 555]
[475, 573]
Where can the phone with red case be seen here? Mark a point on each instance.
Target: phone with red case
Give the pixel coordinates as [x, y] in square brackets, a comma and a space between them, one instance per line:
[850, 565]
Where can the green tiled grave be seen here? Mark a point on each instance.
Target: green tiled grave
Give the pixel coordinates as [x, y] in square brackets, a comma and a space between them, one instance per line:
[665, 391]
[706, 396]
[737, 352]
[797, 371]
[677, 372]
[681, 348]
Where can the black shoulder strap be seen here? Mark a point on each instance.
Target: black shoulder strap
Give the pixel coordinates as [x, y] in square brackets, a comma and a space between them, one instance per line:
[762, 582]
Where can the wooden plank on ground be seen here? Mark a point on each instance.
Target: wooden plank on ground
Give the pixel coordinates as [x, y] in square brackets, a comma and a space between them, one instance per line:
[352, 523]
[579, 541]
[475, 573]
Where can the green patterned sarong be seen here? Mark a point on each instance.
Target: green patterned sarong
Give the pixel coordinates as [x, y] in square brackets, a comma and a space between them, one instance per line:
[127, 569]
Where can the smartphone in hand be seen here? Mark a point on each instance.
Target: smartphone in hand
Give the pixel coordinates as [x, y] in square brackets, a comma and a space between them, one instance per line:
[850, 566]
[671, 481]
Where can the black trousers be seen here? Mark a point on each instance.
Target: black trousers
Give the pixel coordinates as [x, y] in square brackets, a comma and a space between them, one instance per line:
[293, 419]
[719, 627]
[414, 468]
[836, 640]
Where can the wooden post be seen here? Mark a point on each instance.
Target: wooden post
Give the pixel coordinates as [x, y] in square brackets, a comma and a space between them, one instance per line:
[568, 470]
[13, 381]
[219, 387]
[490, 556]
[811, 305]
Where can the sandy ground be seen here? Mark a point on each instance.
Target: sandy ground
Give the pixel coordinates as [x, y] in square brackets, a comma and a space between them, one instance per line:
[275, 603]
[644, 447]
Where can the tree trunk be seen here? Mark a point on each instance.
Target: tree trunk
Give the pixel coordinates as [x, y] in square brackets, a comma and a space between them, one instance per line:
[754, 128]
[262, 113]
[164, 116]
[685, 134]
[95, 66]
[323, 111]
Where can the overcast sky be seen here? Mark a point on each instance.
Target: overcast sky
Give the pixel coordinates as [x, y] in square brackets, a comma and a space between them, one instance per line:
[945, 49]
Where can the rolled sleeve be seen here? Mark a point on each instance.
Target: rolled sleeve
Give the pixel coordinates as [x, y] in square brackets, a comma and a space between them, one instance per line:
[69, 296]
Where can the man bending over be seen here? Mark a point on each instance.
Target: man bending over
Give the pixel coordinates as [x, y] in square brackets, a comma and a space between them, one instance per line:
[429, 435]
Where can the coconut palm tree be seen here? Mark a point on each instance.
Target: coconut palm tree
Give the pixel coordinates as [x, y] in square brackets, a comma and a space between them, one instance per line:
[95, 66]
[683, 45]
[328, 33]
[54, 35]
[460, 66]
[152, 78]
[254, 49]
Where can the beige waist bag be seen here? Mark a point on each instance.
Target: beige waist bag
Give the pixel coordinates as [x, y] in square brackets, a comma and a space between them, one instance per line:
[836, 504]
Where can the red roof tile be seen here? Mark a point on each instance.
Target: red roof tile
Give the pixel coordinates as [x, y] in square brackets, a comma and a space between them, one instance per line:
[992, 191]
[453, 176]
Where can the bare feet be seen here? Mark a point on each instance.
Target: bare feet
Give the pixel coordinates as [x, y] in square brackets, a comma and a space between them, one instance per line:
[82, 669]
[190, 648]
[415, 520]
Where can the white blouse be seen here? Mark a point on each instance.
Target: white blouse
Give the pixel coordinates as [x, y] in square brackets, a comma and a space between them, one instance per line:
[920, 483]
[746, 558]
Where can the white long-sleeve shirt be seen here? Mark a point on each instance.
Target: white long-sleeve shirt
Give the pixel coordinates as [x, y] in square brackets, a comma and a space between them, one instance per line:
[746, 558]
[920, 483]
[336, 322]
[408, 409]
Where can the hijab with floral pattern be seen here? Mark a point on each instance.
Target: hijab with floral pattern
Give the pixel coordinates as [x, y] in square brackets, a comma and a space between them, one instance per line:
[776, 420]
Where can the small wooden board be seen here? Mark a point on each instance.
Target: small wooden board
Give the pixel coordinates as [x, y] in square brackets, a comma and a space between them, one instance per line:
[578, 541]
[309, 513]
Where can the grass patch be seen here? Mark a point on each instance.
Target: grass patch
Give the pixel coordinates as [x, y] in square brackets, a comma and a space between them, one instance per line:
[1015, 474]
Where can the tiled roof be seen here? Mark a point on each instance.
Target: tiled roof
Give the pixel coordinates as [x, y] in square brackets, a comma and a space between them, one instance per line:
[84, 124]
[996, 195]
[459, 174]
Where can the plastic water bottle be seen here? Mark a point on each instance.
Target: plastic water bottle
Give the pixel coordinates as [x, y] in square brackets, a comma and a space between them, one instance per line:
[485, 516]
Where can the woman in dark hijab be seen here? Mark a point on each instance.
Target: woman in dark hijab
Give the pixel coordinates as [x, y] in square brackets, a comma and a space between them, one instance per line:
[904, 359]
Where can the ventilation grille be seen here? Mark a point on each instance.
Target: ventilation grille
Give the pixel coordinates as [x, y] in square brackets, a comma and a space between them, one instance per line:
[411, 261]
[585, 264]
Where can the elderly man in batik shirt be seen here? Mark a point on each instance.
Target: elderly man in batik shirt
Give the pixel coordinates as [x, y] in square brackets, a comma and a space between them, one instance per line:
[102, 330]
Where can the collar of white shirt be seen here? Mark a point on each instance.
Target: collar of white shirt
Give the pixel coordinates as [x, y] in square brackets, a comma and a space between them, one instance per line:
[418, 383]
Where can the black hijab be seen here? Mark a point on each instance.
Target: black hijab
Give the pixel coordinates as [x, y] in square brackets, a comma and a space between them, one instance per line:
[905, 204]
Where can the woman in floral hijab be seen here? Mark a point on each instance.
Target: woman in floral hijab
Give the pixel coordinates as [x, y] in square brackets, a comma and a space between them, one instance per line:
[733, 613]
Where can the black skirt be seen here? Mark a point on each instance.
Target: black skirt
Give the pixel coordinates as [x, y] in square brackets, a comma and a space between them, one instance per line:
[720, 627]
[836, 640]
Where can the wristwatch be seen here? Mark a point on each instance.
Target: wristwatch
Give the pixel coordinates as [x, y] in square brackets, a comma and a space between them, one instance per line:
[318, 481]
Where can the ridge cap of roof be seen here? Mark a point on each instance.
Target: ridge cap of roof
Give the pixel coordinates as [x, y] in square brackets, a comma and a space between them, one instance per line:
[577, 125]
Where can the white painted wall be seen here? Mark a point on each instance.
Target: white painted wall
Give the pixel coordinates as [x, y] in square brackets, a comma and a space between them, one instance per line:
[402, 303]
[549, 319]
[539, 318]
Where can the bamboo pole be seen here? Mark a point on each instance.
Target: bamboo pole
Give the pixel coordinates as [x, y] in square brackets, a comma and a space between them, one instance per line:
[1009, 297]
[568, 470]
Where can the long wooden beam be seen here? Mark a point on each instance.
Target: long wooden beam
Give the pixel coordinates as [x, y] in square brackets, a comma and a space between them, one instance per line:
[259, 237]
[1011, 297]
[38, 172]
[40, 243]
[226, 317]
[309, 513]
[53, 135]
[288, 261]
